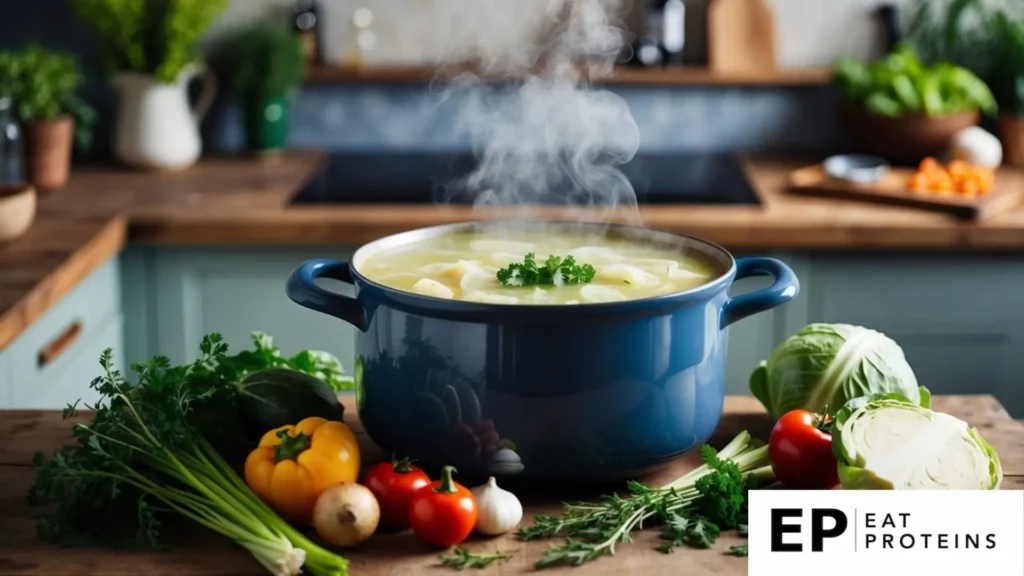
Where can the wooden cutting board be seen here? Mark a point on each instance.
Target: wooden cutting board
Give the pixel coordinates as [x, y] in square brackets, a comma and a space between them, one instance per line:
[741, 37]
[196, 552]
[892, 189]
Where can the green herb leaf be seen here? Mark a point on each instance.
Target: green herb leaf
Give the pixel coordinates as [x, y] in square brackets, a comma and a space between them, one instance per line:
[723, 491]
[556, 271]
[738, 550]
[158, 38]
[681, 530]
[461, 559]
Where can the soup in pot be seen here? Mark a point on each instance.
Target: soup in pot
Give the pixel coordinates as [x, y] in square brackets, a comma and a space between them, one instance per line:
[537, 268]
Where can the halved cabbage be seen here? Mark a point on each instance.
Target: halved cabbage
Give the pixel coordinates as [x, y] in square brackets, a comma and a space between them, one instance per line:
[888, 442]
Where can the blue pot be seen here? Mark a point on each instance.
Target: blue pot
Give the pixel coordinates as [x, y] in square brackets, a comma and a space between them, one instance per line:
[588, 392]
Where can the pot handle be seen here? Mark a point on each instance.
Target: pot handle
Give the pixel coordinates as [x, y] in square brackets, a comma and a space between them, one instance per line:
[784, 289]
[302, 290]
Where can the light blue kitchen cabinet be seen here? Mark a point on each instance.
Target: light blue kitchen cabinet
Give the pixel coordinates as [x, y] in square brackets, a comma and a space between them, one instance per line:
[6, 380]
[959, 318]
[52, 363]
[185, 293]
[235, 291]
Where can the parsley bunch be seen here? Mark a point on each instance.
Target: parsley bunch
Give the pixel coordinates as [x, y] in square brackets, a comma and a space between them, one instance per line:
[693, 509]
[147, 452]
[556, 271]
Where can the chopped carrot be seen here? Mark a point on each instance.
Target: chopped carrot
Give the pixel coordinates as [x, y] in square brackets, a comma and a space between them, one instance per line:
[919, 182]
[942, 181]
[928, 165]
[958, 177]
[959, 169]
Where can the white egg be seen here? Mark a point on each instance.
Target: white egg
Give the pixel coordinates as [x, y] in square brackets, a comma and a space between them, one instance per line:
[428, 287]
[625, 274]
[598, 293]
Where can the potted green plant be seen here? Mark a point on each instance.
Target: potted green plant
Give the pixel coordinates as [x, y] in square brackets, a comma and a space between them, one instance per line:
[262, 64]
[149, 46]
[903, 109]
[1008, 81]
[43, 84]
[990, 42]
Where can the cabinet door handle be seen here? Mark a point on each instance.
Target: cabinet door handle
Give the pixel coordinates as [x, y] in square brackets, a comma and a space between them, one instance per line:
[58, 345]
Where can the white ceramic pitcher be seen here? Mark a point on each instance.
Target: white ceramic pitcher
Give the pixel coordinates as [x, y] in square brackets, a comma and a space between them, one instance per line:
[156, 128]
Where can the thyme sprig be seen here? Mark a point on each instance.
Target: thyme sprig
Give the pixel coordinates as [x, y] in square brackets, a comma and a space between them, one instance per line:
[687, 508]
[460, 559]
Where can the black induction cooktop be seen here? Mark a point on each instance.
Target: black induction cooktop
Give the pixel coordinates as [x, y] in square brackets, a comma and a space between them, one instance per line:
[383, 177]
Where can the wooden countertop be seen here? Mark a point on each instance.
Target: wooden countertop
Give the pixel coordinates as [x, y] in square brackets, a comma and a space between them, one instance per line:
[239, 201]
[245, 201]
[196, 552]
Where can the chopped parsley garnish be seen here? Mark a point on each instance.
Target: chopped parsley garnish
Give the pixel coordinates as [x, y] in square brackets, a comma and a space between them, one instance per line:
[556, 271]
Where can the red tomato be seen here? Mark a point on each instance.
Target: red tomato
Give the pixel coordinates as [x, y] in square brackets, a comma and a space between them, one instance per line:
[800, 450]
[394, 483]
[444, 512]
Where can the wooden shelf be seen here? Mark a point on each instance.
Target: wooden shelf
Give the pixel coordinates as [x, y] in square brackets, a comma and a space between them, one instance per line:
[668, 76]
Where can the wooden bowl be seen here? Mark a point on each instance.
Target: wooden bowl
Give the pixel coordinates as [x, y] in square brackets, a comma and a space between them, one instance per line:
[17, 211]
[903, 140]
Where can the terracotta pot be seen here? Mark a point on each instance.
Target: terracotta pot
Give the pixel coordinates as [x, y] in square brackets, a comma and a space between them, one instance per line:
[906, 139]
[1011, 133]
[17, 211]
[49, 152]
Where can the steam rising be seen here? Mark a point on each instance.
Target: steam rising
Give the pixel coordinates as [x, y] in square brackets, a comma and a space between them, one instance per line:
[552, 138]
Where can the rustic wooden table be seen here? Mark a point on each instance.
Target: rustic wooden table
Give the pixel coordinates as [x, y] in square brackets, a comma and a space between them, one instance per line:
[195, 552]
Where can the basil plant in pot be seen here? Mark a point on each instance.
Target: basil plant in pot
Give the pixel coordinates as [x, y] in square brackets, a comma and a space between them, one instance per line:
[262, 64]
[905, 109]
[988, 39]
[43, 85]
[149, 48]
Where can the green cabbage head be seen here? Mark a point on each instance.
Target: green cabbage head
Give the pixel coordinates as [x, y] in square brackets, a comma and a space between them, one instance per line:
[887, 442]
[826, 365]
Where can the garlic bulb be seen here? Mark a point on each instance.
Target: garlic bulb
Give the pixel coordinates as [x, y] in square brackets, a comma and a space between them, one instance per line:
[976, 146]
[498, 510]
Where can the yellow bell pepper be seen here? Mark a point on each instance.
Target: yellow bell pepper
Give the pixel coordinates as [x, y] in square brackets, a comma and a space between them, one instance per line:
[293, 465]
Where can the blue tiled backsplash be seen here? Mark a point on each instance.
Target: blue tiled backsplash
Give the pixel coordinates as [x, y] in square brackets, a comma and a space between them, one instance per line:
[411, 117]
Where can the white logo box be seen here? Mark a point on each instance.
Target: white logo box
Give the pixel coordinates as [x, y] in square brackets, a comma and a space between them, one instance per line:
[927, 532]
